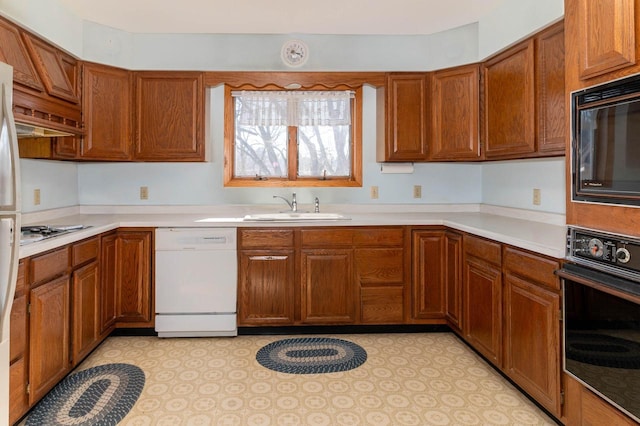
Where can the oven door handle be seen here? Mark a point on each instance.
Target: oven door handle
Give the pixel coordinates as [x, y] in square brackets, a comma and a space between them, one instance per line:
[604, 282]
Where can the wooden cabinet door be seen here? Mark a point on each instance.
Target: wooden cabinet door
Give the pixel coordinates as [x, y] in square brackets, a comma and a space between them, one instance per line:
[406, 118]
[108, 311]
[606, 35]
[550, 91]
[455, 98]
[453, 279]
[106, 104]
[482, 302]
[428, 277]
[169, 116]
[86, 310]
[18, 346]
[133, 278]
[327, 286]
[58, 71]
[532, 340]
[49, 336]
[14, 52]
[509, 102]
[266, 287]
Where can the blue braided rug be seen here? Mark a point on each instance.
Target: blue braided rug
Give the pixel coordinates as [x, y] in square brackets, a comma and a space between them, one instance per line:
[98, 396]
[311, 355]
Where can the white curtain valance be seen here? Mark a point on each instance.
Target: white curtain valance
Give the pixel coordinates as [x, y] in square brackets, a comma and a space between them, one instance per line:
[299, 108]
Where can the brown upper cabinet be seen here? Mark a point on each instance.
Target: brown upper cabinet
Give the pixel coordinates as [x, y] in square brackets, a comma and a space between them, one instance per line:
[58, 70]
[509, 102]
[14, 52]
[403, 117]
[169, 116]
[606, 35]
[46, 90]
[106, 103]
[524, 82]
[455, 119]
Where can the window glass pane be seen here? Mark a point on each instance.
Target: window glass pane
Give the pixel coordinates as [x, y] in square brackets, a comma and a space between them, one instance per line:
[324, 148]
[259, 150]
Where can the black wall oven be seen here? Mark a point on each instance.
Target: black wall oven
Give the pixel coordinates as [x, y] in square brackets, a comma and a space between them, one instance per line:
[606, 143]
[601, 316]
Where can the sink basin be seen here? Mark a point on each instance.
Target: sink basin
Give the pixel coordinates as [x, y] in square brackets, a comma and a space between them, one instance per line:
[294, 216]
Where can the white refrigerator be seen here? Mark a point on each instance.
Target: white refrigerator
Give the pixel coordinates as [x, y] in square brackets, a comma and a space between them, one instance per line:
[9, 228]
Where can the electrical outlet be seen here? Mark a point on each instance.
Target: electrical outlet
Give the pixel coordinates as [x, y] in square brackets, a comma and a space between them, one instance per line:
[374, 192]
[144, 192]
[36, 197]
[536, 196]
[417, 191]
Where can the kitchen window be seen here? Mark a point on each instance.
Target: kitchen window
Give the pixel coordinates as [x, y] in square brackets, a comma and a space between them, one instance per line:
[293, 138]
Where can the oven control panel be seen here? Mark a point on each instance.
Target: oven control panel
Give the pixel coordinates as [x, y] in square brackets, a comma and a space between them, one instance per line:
[603, 248]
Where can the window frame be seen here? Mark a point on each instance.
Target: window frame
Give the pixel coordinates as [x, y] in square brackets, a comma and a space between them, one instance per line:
[355, 180]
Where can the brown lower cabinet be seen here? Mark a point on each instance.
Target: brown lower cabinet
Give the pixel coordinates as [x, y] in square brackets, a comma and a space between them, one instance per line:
[482, 297]
[320, 276]
[65, 305]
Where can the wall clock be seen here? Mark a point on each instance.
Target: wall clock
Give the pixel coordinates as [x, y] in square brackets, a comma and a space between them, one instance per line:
[294, 53]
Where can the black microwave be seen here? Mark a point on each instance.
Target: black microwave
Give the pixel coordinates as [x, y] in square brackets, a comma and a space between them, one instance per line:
[606, 143]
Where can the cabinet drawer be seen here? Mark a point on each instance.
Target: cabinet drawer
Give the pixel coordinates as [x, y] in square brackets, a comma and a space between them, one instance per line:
[265, 238]
[534, 267]
[486, 250]
[380, 266]
[84, 251]
[49, 265]
[327, 237]
[379, 237]
[382, 305]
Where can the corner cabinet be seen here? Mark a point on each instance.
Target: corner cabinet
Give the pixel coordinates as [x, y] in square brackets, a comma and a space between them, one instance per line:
[455, 133]
[169, 116]
[524, 98]
[482, 297]
[403, 117]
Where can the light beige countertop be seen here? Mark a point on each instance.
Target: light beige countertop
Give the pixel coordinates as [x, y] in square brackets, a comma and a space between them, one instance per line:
[543, 233]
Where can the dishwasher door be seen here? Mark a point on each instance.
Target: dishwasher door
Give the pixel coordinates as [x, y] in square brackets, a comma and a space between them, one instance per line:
[196, 281]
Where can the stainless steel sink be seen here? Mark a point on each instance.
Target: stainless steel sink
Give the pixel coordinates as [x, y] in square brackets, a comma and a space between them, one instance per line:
[293, 216]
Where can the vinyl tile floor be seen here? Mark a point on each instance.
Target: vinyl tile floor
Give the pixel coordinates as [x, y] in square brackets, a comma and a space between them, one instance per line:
[407, 379]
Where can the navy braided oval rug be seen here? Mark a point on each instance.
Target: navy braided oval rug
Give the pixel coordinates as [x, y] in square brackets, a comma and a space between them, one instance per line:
[98, 396]
[310, 355]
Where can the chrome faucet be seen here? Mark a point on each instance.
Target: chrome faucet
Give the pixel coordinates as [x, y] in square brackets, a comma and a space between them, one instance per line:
[317, 205]
[293, 205]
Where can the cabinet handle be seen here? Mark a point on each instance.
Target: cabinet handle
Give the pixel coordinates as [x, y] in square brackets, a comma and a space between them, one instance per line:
[268, 257]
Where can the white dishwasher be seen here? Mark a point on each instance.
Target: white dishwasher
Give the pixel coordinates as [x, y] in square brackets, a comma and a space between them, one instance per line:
[196, 276]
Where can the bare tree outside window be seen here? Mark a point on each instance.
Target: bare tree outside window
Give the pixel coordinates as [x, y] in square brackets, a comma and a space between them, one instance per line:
[323, 151]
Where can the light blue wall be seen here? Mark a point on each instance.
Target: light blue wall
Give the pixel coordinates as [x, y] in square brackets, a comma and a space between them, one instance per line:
[201, 183]
[56, 180]
[506, 183]
[511, 183]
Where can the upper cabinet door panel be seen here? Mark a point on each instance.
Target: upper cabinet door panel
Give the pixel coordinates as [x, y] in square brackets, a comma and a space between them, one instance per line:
[455, 115]
[509, 102]
[106, 103]
[606, 36]
[551, 91]
[57, 70]
[406, 116]
[14, 52]
[169, 116]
